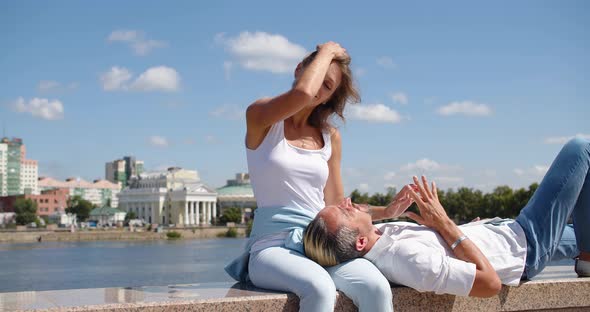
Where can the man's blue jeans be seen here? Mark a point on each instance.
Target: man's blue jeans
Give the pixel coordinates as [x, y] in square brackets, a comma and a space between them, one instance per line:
[564, 192]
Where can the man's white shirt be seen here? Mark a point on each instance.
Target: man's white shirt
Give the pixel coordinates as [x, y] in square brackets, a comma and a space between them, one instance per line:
[418, 257]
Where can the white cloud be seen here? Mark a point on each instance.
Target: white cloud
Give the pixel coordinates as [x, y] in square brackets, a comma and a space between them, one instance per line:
[115, 79]
[540, 170]
[389, 176]
[374, 113]
[363, 187]
[386, 62]
[136, 40]
[158, 141]
[160, 78]
[400, 98]
[564, 139]
[230, 112]
[423, 164]
[227, 66]
[41, 108]
[468, 108]
[263, 51]
[533, 172]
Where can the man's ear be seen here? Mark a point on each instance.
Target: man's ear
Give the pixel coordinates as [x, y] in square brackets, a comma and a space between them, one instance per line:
[361, 243]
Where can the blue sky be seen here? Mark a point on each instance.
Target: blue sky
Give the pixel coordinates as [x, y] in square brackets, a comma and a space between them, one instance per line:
[471, 94]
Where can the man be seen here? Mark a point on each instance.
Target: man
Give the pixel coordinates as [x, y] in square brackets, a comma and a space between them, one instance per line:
[473, 259]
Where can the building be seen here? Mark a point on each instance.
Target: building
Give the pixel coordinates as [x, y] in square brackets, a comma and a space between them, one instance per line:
[122, 170]
[237, 193]
[107, 215]
[63, 218]
[99, 192]
[175, 196]
[48, 202]
[18, 175]
[51, 201]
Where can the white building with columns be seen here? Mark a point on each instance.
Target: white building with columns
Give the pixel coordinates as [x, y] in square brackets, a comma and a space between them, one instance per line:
[175, 196]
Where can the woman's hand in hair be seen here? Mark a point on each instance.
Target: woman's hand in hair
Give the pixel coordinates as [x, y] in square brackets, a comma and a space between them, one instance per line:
[333, 48]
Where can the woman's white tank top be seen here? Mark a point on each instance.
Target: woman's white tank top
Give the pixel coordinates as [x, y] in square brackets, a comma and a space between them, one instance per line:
[285, 175]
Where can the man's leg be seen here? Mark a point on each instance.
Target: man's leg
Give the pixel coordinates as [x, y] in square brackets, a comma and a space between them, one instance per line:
[362, 282]
[545, 216]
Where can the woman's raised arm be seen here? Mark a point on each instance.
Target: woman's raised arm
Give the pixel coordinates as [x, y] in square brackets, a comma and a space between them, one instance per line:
[263, 113]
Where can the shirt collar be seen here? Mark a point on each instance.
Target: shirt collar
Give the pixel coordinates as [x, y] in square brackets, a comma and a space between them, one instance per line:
[380, 245]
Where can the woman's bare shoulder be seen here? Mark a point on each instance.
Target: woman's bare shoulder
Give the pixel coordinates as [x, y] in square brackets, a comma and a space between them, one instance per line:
[262, 100]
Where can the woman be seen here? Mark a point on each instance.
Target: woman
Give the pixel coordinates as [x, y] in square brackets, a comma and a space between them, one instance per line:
[294, 165]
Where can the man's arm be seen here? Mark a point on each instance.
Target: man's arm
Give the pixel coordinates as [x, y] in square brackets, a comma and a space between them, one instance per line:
[487, 282]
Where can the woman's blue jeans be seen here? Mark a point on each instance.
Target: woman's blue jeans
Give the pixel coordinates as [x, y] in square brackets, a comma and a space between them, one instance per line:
[563, 193]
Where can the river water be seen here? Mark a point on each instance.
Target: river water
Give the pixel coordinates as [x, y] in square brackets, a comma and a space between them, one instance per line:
[69, 265]
[75, 265]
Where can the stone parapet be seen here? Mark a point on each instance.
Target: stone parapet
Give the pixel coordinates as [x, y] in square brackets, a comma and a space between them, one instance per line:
[562, 294]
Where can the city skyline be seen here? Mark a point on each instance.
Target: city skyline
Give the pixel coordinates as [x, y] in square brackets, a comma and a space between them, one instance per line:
[474, 95]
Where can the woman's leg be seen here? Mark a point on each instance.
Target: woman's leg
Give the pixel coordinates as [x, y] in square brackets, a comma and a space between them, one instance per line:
[362, 282]
[544, 218]
[278, 268]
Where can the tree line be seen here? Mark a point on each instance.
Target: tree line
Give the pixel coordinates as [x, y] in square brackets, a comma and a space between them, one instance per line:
[26, 209]
[465, 204]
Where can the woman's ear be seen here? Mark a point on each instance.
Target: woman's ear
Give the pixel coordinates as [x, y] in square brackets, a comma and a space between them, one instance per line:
[361, 243]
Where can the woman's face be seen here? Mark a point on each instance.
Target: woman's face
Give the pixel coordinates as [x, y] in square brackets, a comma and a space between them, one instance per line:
[330, 84]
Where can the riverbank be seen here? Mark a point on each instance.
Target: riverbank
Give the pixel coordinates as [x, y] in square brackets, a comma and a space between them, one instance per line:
[120, 234]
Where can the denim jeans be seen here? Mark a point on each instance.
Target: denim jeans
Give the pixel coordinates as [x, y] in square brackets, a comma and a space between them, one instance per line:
[564, 192]
[279, 268]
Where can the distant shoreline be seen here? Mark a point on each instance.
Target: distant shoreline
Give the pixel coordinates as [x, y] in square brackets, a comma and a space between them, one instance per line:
[7, 236]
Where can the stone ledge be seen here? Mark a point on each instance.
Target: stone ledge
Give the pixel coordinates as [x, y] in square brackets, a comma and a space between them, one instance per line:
[562, 294]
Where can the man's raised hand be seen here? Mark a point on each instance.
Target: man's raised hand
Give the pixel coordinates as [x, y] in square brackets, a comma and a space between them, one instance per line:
[432, 213]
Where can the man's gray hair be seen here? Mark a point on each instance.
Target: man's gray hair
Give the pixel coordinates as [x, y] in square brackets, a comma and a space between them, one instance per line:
[346, 244]
[328, 248]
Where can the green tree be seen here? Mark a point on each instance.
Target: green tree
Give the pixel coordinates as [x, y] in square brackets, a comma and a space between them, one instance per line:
[80, 207]
[130, 216]
[232, 214]
[359, 198]
[25, 210]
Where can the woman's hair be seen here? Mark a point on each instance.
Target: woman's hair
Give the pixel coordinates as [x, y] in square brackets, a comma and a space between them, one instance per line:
[346, 92]
[326, 248]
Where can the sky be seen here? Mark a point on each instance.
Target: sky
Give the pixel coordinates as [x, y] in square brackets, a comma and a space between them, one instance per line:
[469, 93]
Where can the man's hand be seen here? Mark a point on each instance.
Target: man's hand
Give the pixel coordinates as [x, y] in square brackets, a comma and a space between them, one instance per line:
[400, 203]
[432, 213]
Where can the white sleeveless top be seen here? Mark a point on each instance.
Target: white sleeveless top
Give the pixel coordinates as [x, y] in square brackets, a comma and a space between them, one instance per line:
[283, 175]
